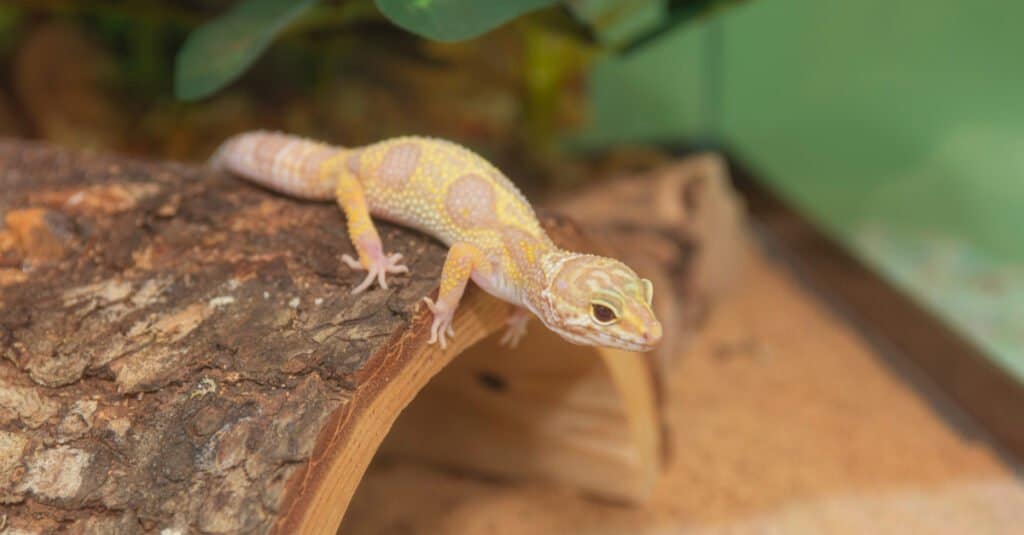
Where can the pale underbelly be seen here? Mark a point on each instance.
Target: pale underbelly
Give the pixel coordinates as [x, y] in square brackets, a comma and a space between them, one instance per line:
[500, 287]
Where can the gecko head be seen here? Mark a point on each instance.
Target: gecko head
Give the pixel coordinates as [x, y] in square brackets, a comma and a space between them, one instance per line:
[592, 300]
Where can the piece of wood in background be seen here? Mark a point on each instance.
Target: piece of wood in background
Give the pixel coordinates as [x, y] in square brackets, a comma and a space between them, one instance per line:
[680, 224]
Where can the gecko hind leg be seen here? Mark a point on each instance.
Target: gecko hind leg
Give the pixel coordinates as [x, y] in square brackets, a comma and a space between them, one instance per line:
[364, 236]
[464, 260]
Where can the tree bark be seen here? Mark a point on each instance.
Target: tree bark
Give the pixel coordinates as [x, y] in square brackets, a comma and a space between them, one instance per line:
[181, 351]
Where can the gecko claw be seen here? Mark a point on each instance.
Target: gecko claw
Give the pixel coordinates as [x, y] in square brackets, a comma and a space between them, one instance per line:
[377, 270]
[442, 325]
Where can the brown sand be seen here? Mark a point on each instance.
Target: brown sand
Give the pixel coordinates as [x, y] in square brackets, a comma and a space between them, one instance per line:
[785, 419]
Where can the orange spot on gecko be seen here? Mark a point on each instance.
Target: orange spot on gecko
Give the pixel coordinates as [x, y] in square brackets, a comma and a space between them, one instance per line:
[521, 248]
[399, 164]
[470, 201]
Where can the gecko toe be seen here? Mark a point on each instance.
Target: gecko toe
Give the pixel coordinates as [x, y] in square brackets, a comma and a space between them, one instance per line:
[377, 270]
[370, 276]
[437, 333]
[510, 339]
[351, 262]
[393, 266]
[433, 335]
[441, 329]
[515, 329]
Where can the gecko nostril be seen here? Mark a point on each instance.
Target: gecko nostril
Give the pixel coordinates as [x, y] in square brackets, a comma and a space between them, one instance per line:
[653, 334]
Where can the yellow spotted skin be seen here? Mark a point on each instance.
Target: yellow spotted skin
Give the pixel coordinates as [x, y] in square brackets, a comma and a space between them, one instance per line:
[451, 193]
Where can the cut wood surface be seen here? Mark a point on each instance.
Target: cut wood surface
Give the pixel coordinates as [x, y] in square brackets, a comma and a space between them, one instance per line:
[181, 351]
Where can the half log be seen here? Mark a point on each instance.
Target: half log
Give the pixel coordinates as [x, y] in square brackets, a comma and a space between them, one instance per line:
[181, 352]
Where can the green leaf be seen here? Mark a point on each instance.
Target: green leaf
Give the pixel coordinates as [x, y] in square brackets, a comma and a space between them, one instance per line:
[627, 25]
[617, 22]
[455, 20]
[218, 52]
[682, 12]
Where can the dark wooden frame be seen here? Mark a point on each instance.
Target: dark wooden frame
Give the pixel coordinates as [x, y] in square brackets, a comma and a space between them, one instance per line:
[984, 390]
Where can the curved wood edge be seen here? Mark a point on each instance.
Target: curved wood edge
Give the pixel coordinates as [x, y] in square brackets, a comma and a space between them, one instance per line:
[545, 411]
[317, 497]
[318, 494]
[641, 392]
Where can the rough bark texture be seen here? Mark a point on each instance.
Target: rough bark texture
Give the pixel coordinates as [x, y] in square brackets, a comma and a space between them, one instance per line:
[173, 341]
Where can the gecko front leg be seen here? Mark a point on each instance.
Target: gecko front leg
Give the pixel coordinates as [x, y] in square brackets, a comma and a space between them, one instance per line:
[464, 261]
[364, 236]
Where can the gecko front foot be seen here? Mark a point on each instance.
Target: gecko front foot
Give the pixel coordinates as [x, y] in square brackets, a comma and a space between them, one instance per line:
[379, 266]
[442, 325]
[515, 328]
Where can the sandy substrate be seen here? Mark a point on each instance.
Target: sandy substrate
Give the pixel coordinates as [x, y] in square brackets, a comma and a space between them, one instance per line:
[785, 419]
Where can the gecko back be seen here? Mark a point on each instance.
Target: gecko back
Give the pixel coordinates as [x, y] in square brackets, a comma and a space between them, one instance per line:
[432, 185]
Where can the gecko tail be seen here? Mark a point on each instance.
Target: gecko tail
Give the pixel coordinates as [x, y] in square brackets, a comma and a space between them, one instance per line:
[288, 164]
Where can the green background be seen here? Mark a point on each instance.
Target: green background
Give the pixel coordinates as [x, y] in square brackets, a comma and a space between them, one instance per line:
[897, 126]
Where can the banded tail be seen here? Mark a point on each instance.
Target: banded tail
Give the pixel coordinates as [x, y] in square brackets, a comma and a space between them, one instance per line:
[281, 162]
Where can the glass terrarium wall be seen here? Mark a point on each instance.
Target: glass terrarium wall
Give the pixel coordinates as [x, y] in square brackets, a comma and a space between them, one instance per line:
[897, 126]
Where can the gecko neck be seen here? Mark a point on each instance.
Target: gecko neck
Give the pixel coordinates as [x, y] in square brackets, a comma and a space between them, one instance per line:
[541, 301]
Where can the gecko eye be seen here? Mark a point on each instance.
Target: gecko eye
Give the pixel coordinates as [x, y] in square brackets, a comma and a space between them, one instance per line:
[602, 314]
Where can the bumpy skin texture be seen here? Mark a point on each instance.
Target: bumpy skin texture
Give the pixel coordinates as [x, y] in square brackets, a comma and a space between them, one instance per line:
[449, 192]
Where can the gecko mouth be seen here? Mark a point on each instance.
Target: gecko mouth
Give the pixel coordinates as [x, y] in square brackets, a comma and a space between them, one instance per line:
[607, 340]
[650, 341]
[633, 346]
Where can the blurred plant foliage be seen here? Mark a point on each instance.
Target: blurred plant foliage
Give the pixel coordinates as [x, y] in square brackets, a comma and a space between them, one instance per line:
[111, 74]
[220, 50]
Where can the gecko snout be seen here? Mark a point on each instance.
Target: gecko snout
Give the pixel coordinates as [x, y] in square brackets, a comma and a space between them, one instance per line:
[653, 333]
